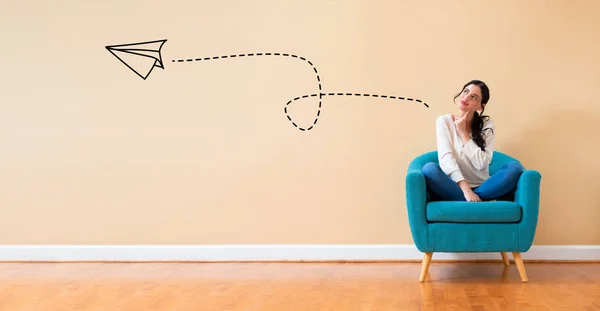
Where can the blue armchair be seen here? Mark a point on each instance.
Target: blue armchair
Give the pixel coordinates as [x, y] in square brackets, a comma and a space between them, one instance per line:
[503, 226]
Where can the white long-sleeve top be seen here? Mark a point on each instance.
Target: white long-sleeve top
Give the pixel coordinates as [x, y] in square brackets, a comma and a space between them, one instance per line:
[463, 160]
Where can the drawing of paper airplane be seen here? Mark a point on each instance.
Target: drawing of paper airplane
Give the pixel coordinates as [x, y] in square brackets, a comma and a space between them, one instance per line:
[141, 57]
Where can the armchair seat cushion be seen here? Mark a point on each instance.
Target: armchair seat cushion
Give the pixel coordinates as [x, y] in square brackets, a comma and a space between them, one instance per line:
[473, 212]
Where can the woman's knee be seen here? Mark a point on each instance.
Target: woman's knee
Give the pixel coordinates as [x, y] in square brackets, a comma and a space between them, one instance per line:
[514, 167]
[430, 169]
[514, 170]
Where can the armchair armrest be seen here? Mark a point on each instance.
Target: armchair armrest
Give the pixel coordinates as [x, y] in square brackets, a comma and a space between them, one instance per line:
[527, 195]
[416, 202]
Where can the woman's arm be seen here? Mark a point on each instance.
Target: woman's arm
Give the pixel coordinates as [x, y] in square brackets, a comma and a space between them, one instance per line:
[479, 158]
[446, 157]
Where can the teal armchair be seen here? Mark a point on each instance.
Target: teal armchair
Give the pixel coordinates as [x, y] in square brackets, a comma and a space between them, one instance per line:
[505, 225]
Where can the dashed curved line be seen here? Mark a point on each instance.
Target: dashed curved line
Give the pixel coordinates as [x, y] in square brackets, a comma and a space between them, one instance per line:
[340, 94]
[269, 54]
[320, 94]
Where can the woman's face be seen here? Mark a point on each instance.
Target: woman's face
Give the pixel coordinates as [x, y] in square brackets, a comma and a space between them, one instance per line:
[470, 99]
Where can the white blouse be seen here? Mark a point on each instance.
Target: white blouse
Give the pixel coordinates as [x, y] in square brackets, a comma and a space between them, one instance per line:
[463, 160]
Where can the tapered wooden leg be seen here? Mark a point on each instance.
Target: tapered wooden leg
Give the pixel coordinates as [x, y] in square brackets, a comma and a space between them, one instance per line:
[425, 266]
[520, 266]
[505, 259]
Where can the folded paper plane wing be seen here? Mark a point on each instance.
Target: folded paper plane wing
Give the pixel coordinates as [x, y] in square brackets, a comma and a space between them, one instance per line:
[141, 57]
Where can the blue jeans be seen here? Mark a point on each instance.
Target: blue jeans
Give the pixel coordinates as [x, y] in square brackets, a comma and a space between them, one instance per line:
[499, 185]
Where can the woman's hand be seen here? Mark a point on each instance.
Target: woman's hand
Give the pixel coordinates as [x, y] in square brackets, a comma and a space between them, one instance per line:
[461, 126]
[468, 192]
[471, 196]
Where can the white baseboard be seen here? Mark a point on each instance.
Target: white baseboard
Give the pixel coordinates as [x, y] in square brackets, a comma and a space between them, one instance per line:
[273, 253]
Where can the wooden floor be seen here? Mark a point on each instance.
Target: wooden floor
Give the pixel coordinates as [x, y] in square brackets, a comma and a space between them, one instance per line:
[297, 286]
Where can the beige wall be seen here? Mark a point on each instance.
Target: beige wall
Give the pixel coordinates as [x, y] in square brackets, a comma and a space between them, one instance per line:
[202, 153]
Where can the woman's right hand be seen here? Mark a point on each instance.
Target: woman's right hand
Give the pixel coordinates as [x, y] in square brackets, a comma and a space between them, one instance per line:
[471, 196]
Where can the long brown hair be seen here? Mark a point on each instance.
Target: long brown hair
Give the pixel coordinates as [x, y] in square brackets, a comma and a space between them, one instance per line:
[479, 119]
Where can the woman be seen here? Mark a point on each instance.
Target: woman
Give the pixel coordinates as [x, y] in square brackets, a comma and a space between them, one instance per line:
[465, 145]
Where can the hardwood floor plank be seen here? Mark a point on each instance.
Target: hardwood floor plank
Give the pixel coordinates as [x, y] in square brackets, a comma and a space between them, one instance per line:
[297, 286]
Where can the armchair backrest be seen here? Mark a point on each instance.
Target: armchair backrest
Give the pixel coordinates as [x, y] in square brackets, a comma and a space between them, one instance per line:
[498, 160]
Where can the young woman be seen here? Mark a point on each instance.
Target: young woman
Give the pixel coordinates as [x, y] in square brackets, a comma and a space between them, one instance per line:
[465, 145]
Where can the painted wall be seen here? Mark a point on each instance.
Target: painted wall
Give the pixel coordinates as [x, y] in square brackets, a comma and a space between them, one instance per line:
[202, 152]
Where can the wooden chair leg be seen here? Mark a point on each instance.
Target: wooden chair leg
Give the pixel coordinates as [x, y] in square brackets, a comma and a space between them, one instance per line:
[505, 259]
[425, 266]
[520, 266]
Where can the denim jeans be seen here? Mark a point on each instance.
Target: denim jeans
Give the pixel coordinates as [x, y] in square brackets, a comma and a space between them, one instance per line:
[498, 186]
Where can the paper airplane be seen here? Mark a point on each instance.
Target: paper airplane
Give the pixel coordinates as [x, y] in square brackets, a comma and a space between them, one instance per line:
[141, 57]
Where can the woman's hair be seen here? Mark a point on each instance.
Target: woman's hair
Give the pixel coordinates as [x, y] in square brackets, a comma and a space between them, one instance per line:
[478, 120]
